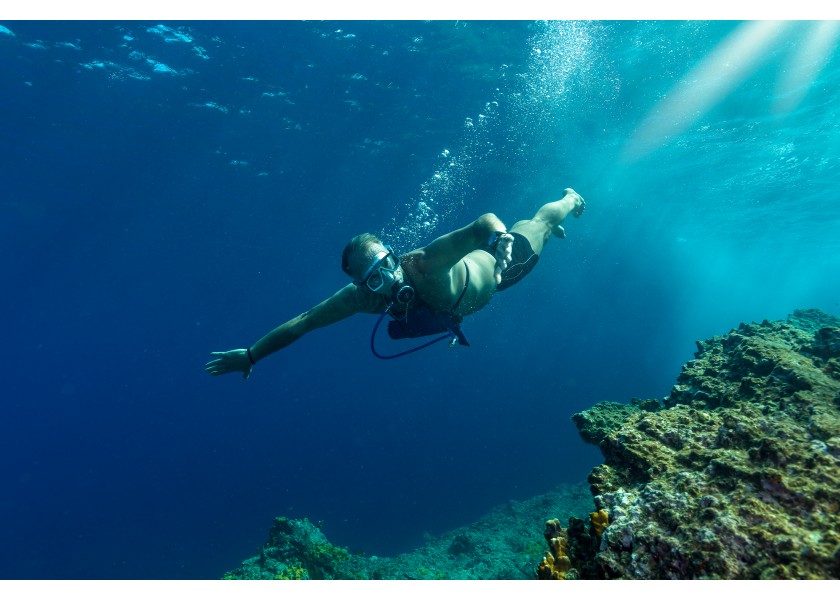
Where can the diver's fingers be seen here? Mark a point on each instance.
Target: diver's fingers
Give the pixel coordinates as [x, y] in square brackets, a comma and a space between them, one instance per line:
[509, 250]
[504, 251]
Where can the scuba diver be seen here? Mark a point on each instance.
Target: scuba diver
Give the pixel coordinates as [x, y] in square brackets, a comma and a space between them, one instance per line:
[427, 291]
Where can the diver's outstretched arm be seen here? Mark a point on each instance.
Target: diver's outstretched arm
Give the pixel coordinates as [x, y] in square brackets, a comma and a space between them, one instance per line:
[346, 302]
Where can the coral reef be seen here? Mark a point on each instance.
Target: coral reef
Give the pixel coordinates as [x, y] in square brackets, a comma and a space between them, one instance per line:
[504, 544]
[296, 549]
[734, 475]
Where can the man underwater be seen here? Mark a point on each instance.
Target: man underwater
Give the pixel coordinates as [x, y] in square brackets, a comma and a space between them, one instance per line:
[426, 291]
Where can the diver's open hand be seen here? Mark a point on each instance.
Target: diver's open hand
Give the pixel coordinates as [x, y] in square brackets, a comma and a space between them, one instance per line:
[504, 254]
[231, 361]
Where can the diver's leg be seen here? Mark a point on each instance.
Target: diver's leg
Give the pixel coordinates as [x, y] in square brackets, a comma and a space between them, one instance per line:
[548, 219]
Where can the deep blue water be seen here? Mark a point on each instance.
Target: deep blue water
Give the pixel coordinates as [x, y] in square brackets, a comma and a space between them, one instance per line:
[173, 189]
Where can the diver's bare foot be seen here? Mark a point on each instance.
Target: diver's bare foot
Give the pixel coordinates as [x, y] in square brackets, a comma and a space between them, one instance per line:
[580, 203]
[572, 203]
[553, 214]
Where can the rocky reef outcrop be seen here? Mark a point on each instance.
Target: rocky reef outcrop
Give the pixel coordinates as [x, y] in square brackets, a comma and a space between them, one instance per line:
[296, 549]
[734, 475]
[504, 544]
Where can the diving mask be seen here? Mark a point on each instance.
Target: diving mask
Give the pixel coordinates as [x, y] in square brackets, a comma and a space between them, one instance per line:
[382, 272]
[381, 277]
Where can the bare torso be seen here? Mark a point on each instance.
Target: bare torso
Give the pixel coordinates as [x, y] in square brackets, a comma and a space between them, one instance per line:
[441, 290]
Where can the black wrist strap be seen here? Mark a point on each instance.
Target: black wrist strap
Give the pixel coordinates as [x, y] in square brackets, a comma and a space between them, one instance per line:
[251, 358]
[493, 240]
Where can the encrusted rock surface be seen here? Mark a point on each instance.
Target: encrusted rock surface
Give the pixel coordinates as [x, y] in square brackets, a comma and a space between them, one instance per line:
[734, 475]
[504, 544]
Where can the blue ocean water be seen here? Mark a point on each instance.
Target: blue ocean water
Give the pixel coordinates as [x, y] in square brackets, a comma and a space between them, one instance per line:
[172, 189]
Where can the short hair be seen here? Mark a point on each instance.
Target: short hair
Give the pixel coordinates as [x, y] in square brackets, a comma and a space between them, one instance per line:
[357, 244]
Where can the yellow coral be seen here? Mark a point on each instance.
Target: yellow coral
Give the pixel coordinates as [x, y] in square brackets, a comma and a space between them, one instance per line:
[293, 572]
[556, 562]
[600, 521]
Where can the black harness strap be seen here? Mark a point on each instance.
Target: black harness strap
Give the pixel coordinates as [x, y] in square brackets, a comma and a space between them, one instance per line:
[464, 291]
[445, 336]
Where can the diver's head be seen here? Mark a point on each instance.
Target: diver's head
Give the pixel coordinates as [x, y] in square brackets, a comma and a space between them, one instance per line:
[375, 266]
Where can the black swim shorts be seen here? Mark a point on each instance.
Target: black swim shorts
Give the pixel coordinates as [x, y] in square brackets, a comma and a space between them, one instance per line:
[522, 261]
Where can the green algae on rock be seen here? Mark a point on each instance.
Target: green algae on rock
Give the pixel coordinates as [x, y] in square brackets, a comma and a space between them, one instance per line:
[504, 544]
[735, 475]
[296, 549]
